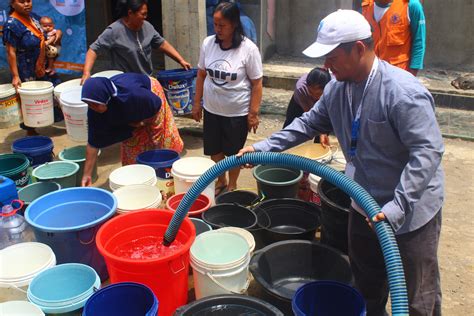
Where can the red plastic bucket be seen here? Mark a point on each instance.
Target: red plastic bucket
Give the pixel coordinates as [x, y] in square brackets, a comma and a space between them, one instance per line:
[202, 204]
[167, 276]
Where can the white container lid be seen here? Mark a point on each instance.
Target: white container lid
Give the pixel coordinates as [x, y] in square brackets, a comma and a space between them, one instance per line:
[137, 197]
[23, 261]
[20, 308]
[191, 167]
[72, 97]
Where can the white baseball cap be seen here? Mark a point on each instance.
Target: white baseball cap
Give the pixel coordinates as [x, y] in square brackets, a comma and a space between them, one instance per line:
[342, 26]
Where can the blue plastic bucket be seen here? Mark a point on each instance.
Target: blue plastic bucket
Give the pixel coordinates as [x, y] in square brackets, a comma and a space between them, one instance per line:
[38, 148]
[179, 89]
[15, 167]
[116, 299]
[63, 288]
[8, 191]
[160, 159]
[328, 298]
[68, 220]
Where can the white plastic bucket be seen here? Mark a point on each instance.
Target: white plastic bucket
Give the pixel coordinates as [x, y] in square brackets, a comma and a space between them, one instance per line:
[20, 308]
[132, 174]
[10, 113]
[242, 232]
[60, 88]
[107, 73]
[186, 171]
[75, 114]
[37, 103]
[220, 262]
[137, 197]
[20, 264]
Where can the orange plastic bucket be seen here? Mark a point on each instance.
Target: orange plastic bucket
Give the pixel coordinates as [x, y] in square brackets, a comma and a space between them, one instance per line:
[166, 275]
[202, 204]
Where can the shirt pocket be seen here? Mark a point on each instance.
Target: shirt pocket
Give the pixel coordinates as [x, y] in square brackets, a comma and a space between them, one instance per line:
[383, 136]
[397, 35]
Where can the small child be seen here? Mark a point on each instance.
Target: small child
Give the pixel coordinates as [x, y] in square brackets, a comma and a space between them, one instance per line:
[53, 42]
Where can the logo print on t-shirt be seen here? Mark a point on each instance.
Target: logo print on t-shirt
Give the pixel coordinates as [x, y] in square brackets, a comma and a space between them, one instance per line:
[219, 71]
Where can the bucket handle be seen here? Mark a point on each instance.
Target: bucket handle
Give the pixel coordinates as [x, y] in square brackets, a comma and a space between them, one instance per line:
[254, 202]
[87, 242]
[183, 266]
[242, 291]
[6, 285]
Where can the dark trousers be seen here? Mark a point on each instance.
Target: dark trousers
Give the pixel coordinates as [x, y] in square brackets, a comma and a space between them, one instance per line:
[418, 250]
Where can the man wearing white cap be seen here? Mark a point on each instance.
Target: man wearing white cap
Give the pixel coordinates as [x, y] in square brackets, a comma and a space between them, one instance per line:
[385, 122]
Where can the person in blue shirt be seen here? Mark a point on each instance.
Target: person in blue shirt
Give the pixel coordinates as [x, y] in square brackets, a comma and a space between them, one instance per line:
[249, 27]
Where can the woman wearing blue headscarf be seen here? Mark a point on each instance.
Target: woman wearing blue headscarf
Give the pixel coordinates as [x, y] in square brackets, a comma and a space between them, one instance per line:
[129, 108]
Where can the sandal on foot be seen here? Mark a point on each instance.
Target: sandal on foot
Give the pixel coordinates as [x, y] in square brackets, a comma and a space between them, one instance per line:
[220, 189]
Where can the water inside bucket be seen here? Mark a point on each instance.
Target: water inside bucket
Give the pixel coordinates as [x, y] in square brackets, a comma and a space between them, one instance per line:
[148, 247]
[219, 248]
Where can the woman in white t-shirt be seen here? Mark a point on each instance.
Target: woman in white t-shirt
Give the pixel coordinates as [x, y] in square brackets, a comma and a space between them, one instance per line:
[230, 83]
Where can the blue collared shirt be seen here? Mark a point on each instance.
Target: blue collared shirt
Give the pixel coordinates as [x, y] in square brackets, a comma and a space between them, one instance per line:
[399, 149]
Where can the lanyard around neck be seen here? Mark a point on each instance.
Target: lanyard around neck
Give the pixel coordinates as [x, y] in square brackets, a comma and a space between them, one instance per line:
[356, 121]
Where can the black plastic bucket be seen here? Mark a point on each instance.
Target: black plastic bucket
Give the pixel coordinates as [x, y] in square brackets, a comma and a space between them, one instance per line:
[285, 219]
[228, 214]
[228, 305]
[281, 268]
[277, 182]
[241, 197]
[335, 206]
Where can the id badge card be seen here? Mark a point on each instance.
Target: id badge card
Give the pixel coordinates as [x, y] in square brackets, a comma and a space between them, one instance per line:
[350, 170]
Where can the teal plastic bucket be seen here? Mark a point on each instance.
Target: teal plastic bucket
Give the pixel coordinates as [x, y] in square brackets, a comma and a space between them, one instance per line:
[77, 154]
[61, 172]
[179, 88]
[277, 182]
[15, 167]
[33, 191]
[63, 288]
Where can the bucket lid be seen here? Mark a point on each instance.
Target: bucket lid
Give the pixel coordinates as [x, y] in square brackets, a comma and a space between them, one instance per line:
[242, 232]
[60, 88]
[6, 90]
[219, 249]
[35, 85]
[20, 308]
[136, 197]
[24, 260]
[107, 73]
[72, 97]
[191, 167]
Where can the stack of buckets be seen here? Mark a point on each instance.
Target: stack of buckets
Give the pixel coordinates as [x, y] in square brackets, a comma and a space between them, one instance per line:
[161, 160]
[10, 113]
[21, 263]
[15, 167]
[179, 88]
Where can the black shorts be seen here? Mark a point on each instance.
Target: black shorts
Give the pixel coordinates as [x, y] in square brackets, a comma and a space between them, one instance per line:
[224, 134]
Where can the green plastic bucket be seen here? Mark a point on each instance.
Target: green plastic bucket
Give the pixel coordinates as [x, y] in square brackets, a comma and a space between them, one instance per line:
[15, 167]
[77, 154]
[277, 182]
[35, 190]
[62, 172]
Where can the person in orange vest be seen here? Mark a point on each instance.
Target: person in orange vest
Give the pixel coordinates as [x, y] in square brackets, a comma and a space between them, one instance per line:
[398, 30]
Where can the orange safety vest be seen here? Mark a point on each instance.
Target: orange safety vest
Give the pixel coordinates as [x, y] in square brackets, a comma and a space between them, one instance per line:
[392, 35]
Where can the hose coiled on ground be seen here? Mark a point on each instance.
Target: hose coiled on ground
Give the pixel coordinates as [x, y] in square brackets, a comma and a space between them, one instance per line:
[388, 243]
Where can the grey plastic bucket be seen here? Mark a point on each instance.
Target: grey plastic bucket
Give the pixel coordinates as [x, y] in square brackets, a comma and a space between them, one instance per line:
[277, 182]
